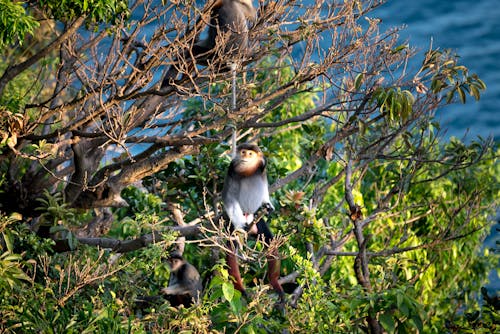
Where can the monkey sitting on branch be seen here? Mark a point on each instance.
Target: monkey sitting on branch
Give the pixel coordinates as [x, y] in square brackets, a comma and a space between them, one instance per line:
[245, 191]
[184, 286]
[227, 37]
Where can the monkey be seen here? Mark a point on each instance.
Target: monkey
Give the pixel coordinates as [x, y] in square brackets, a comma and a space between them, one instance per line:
[184, 286]
[229, 21]
[245, 187]
[245, 190]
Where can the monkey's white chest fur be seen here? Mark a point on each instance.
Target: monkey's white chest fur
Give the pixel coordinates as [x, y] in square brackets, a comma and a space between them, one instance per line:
[253, 192]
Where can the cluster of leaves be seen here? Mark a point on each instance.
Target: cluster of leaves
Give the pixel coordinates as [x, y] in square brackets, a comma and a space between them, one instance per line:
[14, 23]
[446, 79]
[95, 11]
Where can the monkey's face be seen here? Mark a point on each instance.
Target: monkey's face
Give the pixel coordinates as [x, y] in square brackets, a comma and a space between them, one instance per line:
[175, 263]
[248, 161]
[248, 155]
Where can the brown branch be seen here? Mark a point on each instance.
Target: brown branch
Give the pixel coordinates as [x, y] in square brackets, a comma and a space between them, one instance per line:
[106, 192]
[12, 71]
[361, 260]
[124, 246]
[176, 211]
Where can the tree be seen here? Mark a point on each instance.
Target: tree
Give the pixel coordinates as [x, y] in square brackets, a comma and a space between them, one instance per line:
[364, 183]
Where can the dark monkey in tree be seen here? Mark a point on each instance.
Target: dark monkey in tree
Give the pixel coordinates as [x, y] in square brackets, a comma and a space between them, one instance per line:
[184, 286]
[245, 191]
[227, 36]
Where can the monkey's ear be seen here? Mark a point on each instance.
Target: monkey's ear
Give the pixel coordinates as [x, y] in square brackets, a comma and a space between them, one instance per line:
[263, 163]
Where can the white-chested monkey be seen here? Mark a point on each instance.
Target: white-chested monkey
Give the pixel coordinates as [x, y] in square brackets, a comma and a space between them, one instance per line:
[245, 187]
[229, 20]
[245, 190]
[184, 286]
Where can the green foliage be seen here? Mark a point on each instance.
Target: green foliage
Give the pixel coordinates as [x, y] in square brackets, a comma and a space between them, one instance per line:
[11, 271]
[7, 233]
[54, 209]
[451, 78]
[64, 296]
[395, 102]
[229, 311]
[400, 310]
[13, 115]
[96, 11]
[145, 213]
[316, 311]
[15, 23]
[59, 217]
[139, 201]
[483, 318]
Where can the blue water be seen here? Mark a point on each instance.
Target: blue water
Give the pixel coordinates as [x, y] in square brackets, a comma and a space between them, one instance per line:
[472, 29]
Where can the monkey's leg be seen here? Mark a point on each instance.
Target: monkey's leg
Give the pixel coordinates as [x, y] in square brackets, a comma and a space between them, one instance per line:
[234, 269]
[273, 261]
[273, 268]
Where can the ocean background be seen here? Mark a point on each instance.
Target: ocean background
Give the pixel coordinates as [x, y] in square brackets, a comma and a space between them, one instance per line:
[471, 28]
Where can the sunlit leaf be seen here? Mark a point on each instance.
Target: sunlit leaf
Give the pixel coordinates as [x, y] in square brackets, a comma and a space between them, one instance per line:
[228, 291]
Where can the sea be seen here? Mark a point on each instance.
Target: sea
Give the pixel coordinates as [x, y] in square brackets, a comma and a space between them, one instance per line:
[471, 28]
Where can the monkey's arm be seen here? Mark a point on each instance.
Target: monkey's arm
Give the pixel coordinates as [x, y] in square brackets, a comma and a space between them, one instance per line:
[266, 201]
[176, 289]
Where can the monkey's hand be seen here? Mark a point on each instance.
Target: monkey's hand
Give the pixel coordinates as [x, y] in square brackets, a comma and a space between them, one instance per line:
[165, 291]
[268, 207]
[175, 289]
[251, 228]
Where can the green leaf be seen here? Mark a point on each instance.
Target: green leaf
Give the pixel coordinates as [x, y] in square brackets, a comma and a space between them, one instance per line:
[449, 96]
[387, 321]
[418, 323]
[228, 291]
[362, 127]
[399, 299]
[72, 241]
[399, 48]
[358, 81]
[9, 242]
[436, 85]
[474, 91]
[461, 94]
[481, 83]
